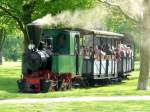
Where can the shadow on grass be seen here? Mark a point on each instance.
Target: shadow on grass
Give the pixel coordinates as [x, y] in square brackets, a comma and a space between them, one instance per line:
[99, 85]
[13, 72]
[133, 78]
[8, 84]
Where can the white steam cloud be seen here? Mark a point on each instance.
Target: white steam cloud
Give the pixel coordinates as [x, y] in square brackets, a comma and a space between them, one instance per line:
[91, 18]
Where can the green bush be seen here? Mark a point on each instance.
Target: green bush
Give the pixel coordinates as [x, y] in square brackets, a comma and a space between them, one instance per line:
[13, 48]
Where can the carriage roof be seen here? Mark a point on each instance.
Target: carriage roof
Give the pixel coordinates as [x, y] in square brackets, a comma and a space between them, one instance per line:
[98, 33]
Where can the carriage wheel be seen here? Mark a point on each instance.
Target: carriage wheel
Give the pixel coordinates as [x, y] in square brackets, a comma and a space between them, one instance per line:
[80, 81]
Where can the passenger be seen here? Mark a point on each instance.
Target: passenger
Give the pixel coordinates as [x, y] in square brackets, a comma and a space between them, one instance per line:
[49, 43]
[108, 50]
[90, 51]
[121, 52]
[96, 52]
[117, 54]
[86, 53]
[125, 50]
[129, 51]
[82, 50]
[113, 48]
[101, 52]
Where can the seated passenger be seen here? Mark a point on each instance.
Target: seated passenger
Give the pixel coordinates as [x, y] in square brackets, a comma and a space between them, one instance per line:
[86, 53]
[117, 54]
[82, 50]
[122, 50]
[90, 51]
[101, 52]
[125, 50]
[108, 50]
[129, 51]
[96, 52]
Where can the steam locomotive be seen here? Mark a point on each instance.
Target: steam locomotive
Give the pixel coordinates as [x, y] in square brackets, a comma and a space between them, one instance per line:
[58, 59]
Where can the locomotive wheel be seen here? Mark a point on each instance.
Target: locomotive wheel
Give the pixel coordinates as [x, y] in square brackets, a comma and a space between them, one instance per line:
[60, 85]
[54, 87]
[69, 86]
[63, 85]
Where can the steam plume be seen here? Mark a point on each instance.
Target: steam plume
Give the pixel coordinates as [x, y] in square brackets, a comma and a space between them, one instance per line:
[91, 18]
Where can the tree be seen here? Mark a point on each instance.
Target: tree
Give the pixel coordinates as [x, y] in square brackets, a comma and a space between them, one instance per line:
[117, 22]
[3, 24]
[144, 47]
[142, 22]
[6, 26]
[26, 11]
[12, 49]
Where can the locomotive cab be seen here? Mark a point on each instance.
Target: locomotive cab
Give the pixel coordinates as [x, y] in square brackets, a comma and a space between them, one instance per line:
[65, 50]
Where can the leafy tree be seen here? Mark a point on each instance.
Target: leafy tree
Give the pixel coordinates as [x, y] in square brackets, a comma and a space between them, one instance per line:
[142, 24]
[26, 11]
[3, 25]
[12, 49]
[7, 25]
[117, 22]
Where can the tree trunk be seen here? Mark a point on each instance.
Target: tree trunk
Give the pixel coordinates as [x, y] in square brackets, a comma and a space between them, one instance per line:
[1, 57]
[26, 41]
[144, 66]
[144, 48]
[1, 43]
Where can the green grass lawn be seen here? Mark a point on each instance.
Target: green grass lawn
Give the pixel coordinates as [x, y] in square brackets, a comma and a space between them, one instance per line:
[10, 72]
[134, 106]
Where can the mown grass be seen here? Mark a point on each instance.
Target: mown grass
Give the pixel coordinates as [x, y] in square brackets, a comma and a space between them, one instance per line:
[10, 72]
[128, 106]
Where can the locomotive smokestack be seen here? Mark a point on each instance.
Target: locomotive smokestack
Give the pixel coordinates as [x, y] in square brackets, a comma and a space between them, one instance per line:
[34, 33]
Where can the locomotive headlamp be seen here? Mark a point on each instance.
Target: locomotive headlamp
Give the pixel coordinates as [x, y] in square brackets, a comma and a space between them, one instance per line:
[31, 46]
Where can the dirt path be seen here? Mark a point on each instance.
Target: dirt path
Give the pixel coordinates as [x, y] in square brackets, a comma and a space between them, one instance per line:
[78, 99]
